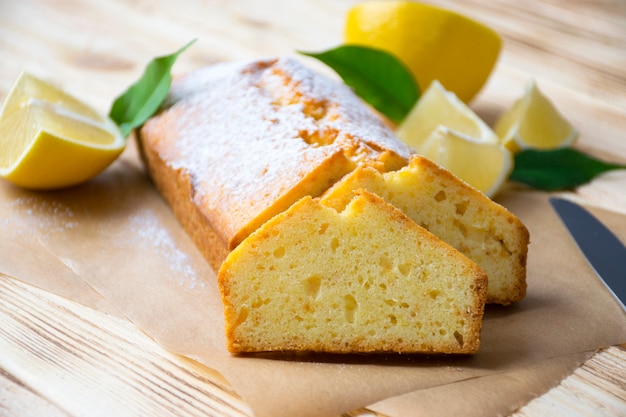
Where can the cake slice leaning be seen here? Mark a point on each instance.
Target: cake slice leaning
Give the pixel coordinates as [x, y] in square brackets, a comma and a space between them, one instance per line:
[366, 279]
[453, 211]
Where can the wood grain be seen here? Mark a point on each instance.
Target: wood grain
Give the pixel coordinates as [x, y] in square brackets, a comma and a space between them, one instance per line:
[111, 369]
[596, 388]
[16, 399]
[575, 49]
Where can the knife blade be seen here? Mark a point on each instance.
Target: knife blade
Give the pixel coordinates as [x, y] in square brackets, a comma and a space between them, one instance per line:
[603, 250]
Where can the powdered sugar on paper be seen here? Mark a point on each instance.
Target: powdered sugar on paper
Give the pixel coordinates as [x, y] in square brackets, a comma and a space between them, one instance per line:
[147, 233]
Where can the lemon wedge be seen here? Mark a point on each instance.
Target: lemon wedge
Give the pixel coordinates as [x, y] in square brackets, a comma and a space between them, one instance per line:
[435, 43]
[534, 122]
[484, 165]
[437, 106]
[445, 130]
[50, 139]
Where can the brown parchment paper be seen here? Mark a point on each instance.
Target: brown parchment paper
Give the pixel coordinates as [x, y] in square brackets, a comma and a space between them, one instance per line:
[114, 245]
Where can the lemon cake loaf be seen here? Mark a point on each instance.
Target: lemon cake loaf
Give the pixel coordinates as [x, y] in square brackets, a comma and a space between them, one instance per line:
[238, 143]
[455, 212]
[366, 279]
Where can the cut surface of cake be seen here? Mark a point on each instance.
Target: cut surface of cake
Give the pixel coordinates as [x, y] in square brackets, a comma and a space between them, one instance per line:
[237, 144]
[366, 279]
[455, 212]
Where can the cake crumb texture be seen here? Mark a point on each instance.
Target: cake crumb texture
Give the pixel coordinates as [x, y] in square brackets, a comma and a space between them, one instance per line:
[366, 279]
[455, 212]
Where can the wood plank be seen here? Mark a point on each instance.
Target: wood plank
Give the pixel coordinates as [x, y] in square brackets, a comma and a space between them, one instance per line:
[575, 50]
[88, 363]
[597, 388]
[16, 399]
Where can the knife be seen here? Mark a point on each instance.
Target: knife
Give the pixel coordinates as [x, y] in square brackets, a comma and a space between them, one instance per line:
[603, 250]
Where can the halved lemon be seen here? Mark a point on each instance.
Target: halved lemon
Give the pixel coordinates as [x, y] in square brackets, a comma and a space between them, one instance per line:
[534, 122]
[484, 165]
[435, 43]
[50, 139]
[436, 107]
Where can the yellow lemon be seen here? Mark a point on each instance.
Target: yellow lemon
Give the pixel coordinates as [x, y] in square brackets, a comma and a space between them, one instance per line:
[534, 122]
[437, 106]
[52, 140]
[435, 43]
[484, 165]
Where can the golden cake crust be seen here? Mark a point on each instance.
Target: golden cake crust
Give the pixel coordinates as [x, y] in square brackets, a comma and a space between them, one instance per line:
[245, 141]
[176, 188]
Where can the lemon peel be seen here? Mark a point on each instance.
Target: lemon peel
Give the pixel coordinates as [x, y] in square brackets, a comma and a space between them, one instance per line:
[438, 106]
[435, 43]
[447, 131]
[51, 139]
[533, 122]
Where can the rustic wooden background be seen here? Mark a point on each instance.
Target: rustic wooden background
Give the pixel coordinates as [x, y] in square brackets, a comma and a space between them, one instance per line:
[575, 49]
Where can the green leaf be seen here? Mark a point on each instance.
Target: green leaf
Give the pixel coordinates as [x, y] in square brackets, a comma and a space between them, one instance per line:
[376, 76]
[558, 169]
[142, 99]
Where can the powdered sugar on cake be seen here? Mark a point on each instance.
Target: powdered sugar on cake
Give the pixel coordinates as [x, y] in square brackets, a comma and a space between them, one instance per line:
[250, 134]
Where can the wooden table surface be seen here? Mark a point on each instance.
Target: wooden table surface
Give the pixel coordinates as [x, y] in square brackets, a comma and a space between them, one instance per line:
[576, 50]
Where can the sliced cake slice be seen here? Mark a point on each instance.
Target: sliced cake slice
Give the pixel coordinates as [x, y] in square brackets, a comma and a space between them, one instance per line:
[453, 211]
[366, 279]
